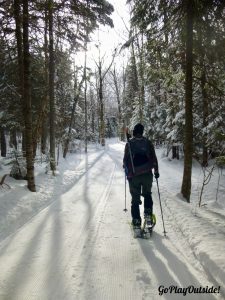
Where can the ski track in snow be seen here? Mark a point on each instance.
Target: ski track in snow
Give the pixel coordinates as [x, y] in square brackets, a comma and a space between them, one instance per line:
[81, 246]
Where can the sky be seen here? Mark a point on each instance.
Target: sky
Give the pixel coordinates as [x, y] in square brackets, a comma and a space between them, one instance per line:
[109, 38]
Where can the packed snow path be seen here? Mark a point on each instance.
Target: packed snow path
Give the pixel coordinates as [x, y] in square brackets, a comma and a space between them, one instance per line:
[81, 246]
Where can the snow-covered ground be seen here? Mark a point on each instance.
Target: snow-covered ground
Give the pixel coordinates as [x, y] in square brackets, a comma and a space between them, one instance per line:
[72, 240]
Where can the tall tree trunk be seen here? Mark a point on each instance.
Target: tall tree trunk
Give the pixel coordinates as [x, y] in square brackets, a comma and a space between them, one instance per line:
[3, 142]
[175, 151]
[205, 104]
[135, 71]
[27, 100]
[24, 142]
[93, 110]
[165, 20]
[115, 80]
[85, 97]
[77, 90]
[141, 91]
[101, 76]
[13, 139]
[40, 128]
[101, 105]
[44, 135]
[67, 141]
[44, 126]
[125, 114]
[20, 72]
[188, 131]
[51, 87]
[205, 117]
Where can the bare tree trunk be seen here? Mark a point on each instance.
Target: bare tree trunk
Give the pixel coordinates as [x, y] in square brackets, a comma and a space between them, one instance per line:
[93, 110]
[44, 125]
[175, 151]
[67, 141]
[101, 76]
[125, 115]
[51, 88]
[134, 63]
[24, 84]
[85, 97]
[101, 106]
[205, 118]
[188, 131]
[13, 139]
[40, 128]
[141, 89]
[165, 20]
[115, 80]
[204, 96]
[24, 143]
[44, 134]
[20, 72]
[27, 100]
[3, 142]
[77, 90]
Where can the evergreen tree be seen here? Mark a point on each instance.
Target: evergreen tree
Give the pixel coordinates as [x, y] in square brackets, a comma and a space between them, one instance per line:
[181, 63]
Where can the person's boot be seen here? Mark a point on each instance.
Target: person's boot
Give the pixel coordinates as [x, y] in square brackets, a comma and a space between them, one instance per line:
[148, 216]
[136, 223]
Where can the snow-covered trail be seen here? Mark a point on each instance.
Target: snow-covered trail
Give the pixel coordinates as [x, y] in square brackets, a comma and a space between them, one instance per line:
[81, 246]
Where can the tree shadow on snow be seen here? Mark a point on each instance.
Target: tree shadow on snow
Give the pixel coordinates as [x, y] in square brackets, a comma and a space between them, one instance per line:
[168, 268]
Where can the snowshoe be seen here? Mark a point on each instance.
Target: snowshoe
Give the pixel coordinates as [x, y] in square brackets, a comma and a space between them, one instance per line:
[148, 225]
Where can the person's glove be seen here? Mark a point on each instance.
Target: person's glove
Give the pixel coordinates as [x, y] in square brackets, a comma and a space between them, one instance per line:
[156, 175]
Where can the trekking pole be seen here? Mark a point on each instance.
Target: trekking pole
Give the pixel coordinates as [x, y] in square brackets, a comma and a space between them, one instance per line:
[161, 207]
[125, 209]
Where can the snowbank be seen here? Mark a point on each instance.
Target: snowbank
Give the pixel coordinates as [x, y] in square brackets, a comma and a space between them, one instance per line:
[202, 227]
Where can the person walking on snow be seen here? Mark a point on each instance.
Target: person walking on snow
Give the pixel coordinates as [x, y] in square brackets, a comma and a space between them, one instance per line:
[139, 161]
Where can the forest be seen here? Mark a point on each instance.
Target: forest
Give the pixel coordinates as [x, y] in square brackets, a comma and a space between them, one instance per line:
[172, 80]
